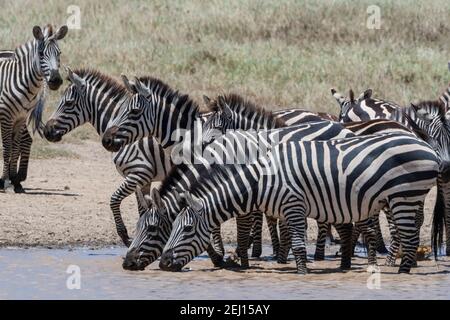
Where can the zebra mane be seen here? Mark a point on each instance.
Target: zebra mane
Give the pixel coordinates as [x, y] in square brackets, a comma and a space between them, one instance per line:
[245, 107]
[162, 89]
[174, 175]
[431, 105]
[94, 76]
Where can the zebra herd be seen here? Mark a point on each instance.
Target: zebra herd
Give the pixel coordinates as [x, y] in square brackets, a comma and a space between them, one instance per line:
[341, 171]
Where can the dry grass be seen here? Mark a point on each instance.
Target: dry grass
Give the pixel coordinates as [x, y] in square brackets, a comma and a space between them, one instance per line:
[280, 53]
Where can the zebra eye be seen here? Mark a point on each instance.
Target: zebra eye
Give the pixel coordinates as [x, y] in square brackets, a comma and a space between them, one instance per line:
[70, 103]
[135, 112]
[188, 228]
[152, 228]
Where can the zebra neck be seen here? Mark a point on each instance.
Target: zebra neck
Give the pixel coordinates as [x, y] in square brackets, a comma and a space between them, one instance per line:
[173, 122]
[445, 98]
[28, 70]
[103, 108]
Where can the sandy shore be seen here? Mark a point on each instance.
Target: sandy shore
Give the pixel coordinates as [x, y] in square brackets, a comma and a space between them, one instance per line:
[67, 204]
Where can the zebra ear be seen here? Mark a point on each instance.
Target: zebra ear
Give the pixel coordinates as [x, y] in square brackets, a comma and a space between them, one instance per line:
[365, 95]
[156, 198]
[61, 33]
[206, 99]
[142, 89]
[131, 86]
[338, 96]
[351, 95]
[148, 200]
[79, 82]
[192, 201]
[227, 110]
[37, 33]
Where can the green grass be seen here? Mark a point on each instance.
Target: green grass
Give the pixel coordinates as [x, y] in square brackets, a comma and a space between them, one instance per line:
[279, 53]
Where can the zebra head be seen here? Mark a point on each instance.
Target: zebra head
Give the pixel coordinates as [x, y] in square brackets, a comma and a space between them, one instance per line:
[48, 53]
[348, 104]
[190, 235]
[431, 118]
[218, 121]
[71, 110]
[135, 122]
[152, 231]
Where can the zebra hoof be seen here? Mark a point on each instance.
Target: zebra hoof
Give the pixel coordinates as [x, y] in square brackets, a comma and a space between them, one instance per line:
[2, 184]
[19, 189]
[302, 271]
[390, 262]
[256, 253]
[319, 257]
[382, 250]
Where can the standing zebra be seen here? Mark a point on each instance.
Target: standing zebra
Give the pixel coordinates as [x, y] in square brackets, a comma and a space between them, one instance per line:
[95, 98]
[338, 181]
[24, 74]
[428, 116]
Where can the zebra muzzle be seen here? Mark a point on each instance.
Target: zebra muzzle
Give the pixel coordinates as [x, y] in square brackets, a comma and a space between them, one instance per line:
[168, 262]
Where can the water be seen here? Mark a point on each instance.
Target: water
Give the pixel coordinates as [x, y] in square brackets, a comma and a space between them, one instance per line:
[42, 274]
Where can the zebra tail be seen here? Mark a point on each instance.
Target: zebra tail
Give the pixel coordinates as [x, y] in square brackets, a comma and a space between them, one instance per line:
[437, 231]
[36, 118]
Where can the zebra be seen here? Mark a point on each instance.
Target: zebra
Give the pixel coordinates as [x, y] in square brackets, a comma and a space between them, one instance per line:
[338, 181]
[155, 225]
[428, 116]
[96, 98]
[24, 75]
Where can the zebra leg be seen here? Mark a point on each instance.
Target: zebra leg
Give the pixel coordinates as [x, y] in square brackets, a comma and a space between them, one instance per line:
[256, 234]
[272, 224]
[25, 148]
[128, 186]
[216, 258]
[217, 241]
[345, 233]
[406, 222]
[380, 246]
[285, 242]
[445, 189]
[395, 240]
[367, 228]
[244, 224]
[297, 232]
[7, 135]
[355, 236]
[14, 158]
[321, 240]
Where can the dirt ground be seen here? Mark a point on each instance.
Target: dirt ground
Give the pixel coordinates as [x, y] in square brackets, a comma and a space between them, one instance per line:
[67, 204]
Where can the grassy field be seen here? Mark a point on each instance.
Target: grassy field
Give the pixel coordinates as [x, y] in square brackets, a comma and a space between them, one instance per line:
[280, 53]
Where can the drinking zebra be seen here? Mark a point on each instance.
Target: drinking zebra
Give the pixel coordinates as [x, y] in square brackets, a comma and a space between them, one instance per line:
[337, 181]
[24, 75]
[428, 116]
